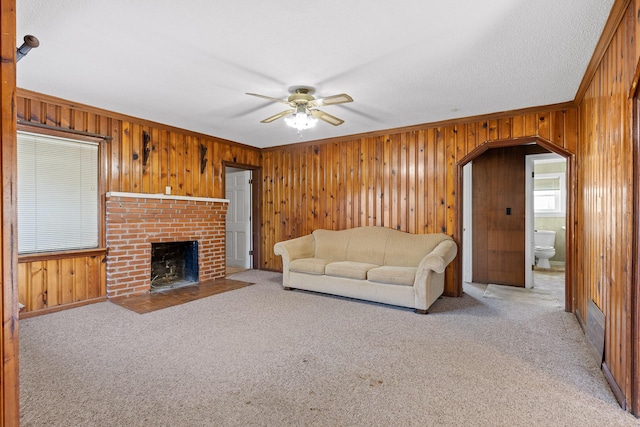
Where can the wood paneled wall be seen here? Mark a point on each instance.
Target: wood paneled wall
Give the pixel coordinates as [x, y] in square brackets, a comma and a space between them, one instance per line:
[605, 211]
[51, 283]
[139, 157]
[404, 179]
[171, 157]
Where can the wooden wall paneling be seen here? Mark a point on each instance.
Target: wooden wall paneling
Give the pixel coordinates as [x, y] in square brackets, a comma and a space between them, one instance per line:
[354, 183]
[163, 152]
[92, 277]
[114, 154]
[571, 129]
[38, 292]
[420, 172]
[202, 172]
[80, 282]
[52, 280]
[126, 157]
[67, 281]
[172, 158]
[377, 181]
[322, 186]
[194, 148]
[412, 183]
[605, 189]
[312, 186]
[441, 181]
[153, 164]
[180, 166]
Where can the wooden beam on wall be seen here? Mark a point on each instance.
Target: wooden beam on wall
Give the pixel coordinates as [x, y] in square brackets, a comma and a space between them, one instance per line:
[9, 401]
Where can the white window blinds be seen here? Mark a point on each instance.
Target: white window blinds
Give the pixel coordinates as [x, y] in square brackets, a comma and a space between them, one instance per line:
[57, 194]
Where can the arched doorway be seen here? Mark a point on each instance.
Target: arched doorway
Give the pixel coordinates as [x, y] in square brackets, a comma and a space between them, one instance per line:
[570, 246]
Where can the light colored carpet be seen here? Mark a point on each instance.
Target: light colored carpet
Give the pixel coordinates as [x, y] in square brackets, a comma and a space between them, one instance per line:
[262, 356]
[530, 295]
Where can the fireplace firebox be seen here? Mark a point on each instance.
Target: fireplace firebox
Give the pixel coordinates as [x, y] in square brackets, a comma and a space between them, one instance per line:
[173, 264]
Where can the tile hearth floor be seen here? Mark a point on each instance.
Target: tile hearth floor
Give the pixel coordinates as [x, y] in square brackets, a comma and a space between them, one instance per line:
[168, 298]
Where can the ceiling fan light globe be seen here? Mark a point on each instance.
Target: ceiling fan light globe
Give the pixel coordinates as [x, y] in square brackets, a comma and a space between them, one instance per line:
[301, 121]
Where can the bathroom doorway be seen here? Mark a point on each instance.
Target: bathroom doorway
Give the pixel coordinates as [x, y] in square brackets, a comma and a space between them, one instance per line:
[546, 225]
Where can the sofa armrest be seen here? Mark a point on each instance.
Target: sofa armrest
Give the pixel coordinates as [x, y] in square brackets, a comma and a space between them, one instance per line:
[440, 257]
[429, 282]
[289, 250]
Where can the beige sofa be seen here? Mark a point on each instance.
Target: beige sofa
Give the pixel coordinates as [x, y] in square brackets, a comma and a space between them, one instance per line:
[370, 263]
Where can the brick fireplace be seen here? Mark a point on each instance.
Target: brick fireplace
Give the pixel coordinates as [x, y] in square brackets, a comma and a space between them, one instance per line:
[135, 221]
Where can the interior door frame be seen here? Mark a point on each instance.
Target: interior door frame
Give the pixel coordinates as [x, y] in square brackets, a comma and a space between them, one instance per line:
[256, 202]
[571, 197]
[634, 292]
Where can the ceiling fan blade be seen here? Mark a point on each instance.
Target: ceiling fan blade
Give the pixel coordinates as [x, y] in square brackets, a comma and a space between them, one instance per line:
[283, 101]
[277, 116]
[331, 100]
[333, 120]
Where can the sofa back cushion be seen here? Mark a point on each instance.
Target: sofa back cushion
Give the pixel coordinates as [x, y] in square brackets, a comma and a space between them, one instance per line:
[375, 245]
[331, 244]
[368, 244]
[406, 250]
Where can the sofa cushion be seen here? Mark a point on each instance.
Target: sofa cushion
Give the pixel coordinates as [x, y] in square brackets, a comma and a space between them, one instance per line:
[331, 244]
[349, 269]
[367, 244]
[393, 275]
[407, 250]
[309, 265]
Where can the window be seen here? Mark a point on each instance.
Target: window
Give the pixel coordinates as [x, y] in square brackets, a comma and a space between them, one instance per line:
[549, 194]
[58, 203]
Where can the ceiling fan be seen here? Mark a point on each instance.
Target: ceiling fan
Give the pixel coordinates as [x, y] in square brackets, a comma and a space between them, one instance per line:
[304, 107]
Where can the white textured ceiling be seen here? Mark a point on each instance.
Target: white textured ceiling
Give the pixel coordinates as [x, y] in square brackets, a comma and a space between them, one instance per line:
[189, 63]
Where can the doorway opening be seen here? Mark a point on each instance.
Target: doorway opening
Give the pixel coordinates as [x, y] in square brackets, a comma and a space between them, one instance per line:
[238, 228]
[242, 232]
[546, 225]
[512, 223]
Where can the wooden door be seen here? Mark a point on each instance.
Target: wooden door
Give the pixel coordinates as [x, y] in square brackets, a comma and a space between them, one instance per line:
[498, 234]
[238, 191]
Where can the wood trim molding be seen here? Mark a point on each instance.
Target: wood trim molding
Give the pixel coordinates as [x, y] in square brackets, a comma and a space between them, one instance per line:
[634, 301]
[9, 377]
[61, 255]
[615, 388]
[117, 116]
[618, 10]
[58, 131]
[57, 308]
[431, 125]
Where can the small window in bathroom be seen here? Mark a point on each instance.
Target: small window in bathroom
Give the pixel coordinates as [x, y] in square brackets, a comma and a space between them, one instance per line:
[549, 194]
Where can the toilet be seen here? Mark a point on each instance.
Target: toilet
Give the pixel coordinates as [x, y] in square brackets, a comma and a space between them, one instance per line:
[543, 250]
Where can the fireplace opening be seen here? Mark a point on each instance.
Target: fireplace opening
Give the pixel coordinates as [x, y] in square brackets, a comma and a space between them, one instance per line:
[173, 264]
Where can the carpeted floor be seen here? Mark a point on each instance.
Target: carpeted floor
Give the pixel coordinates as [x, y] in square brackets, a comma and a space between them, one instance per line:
[261, 356]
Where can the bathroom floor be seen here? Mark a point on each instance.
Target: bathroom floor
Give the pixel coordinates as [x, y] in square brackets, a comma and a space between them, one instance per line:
[551, 280]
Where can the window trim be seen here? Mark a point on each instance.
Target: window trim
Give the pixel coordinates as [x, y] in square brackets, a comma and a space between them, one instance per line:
[102, 174]
[562, 211]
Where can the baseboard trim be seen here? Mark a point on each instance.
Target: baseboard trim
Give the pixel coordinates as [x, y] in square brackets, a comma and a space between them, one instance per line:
[27, 314]
[615, 388]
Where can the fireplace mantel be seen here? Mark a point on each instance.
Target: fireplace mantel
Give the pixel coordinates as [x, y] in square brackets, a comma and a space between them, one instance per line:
[165, 196]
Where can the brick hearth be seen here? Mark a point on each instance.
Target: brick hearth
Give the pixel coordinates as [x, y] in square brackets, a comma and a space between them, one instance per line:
[134, 221]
